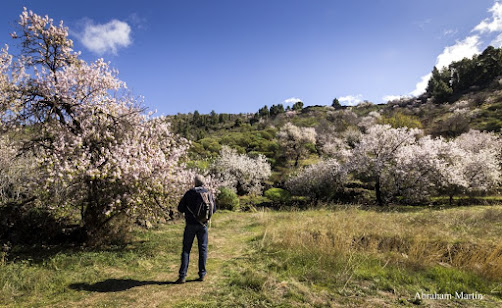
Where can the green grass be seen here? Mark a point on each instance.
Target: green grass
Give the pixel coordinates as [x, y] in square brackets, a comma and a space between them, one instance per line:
[272, 259]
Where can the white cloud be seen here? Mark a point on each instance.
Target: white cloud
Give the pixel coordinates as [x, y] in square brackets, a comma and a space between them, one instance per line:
[292, 100]
[497, 42]
[461, 49]
[421, 85]
[351, 100]
[493, 25]
[106, 38]
[388, 98]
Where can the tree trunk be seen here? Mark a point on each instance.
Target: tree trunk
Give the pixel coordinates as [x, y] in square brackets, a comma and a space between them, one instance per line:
[451, 200]
[91, 216]
[296, 160]
[378, 192]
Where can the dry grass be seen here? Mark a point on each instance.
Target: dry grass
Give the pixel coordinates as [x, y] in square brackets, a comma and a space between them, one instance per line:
[467, 238]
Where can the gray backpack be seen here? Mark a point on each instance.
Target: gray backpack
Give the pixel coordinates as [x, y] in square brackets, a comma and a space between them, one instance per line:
[204, 208]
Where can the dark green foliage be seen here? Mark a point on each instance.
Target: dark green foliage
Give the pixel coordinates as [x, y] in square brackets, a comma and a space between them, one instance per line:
[238, 122]
[336, 104]
[278, 195]
[438, 85]
[276, 109]
[197, 126]
[298, 106]
[461, 76]
[30, 225]
[227, 199]
[263, 112]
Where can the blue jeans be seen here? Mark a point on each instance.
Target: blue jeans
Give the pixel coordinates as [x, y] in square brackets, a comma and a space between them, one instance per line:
[188, 236]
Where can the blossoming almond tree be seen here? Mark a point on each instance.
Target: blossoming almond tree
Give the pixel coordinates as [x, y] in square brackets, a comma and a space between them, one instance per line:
[403, 166]
[319, 180]
[482, 165]
[241, 172]
[94, 145]
[374, 156]
[15, 173]
[295, 139]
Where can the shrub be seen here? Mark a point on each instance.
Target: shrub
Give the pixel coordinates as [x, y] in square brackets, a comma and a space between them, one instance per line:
[399, 119]
[278, 195]
[227, 199]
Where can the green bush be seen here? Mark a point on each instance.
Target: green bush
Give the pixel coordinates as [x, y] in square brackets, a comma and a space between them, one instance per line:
[278, 195]
[249, 203]
[227, 199]
[399, 119]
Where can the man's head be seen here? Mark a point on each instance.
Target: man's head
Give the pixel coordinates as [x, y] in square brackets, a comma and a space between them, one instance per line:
[199, 180]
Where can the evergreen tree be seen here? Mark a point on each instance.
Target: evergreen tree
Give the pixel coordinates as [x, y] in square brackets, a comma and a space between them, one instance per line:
[276, 109]
[438, 85]
[336, 104]
[263, 112]
[298, 105]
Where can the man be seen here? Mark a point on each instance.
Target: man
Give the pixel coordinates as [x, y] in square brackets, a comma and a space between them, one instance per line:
[190, 201]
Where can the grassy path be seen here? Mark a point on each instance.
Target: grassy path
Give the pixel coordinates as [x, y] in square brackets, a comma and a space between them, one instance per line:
[229, 236]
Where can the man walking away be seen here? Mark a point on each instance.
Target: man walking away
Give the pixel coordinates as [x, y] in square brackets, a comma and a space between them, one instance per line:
[198, 206]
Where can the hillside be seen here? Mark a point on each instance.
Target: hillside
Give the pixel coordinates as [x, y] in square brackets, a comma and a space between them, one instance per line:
[478, 109]
[467, 91]
[465, 96]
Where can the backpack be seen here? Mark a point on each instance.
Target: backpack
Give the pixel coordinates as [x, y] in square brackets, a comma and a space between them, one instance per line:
[203, 208]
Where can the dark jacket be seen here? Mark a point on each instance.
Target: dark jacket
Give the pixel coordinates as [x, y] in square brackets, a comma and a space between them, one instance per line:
[190, 199]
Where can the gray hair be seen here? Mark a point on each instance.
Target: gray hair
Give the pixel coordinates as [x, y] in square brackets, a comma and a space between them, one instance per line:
[199, 180]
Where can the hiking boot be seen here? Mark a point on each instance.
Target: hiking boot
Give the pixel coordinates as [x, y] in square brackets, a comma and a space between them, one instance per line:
[180, 280]
[201, 278]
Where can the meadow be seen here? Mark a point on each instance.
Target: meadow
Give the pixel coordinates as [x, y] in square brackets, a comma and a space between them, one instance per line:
[333, 257]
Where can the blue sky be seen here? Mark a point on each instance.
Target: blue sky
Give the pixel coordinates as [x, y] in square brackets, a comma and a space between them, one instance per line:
[236, 56]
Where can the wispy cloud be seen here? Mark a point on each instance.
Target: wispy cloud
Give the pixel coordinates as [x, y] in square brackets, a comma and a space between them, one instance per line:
[138, 21]
[449, 32]
[351, 100]
[292, 100]
[106, 38]
[423, 23]
[467, 47]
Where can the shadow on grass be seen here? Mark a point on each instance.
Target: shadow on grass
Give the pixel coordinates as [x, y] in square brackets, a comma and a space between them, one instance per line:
[117, 285]
[39, 253]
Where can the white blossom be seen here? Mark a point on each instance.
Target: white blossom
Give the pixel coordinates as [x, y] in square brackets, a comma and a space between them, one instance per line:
[241, 172]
